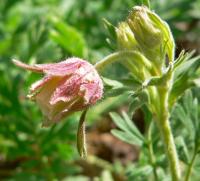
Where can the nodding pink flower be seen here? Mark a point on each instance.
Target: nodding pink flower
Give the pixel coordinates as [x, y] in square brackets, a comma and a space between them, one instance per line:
[68, 86]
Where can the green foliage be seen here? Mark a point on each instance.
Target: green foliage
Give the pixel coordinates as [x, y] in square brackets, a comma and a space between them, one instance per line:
[162, 82]
[187, 113]
[41, 31]
[129, 133]
[185, 75]
[69, 38]
[186, 128]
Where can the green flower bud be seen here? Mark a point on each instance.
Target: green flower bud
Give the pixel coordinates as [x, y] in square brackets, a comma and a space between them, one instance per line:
[152, 34]
[125, 37]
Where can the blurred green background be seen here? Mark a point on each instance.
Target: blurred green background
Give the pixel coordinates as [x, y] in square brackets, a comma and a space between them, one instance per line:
[52, 30]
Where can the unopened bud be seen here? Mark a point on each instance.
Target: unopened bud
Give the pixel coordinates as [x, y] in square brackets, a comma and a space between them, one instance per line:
[125, 37]
[152, 33]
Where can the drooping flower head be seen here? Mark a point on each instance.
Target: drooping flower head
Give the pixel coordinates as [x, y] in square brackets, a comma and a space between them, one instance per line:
[68, 86]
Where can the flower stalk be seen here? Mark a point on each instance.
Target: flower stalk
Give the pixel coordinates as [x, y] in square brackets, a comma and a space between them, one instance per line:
[168, 140]
[165, 129]
[135, 56]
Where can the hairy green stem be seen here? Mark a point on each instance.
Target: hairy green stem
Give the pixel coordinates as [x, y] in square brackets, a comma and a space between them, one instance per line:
[165, 129]
[151, 153]
[189, 169]
[114, 57]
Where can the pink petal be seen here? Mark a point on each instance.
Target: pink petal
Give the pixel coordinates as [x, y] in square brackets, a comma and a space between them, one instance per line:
[89, 91]
[58, 111]
[62, 68]
[43, 96]
[37, 85]
[33, 68]
[93, 92]
[66, 90]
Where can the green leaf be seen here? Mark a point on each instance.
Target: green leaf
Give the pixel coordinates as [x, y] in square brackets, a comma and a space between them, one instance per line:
[182, 149]
[188, 101]
[136, 103]
[131, 82]
[195, 114]
[127, 137]
[186, 66]
[139, 99]
[182, 58]
[141, 171]
[69, 38]
[116, 91]
[129, 130]
[112, 83]
[119, 121]
[111, 40]
[184, 118]
[110, 28]
[180, 85]
[187, 113]
[131, 126]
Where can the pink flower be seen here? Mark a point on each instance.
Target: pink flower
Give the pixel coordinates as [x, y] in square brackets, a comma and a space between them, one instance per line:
[68, 86]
